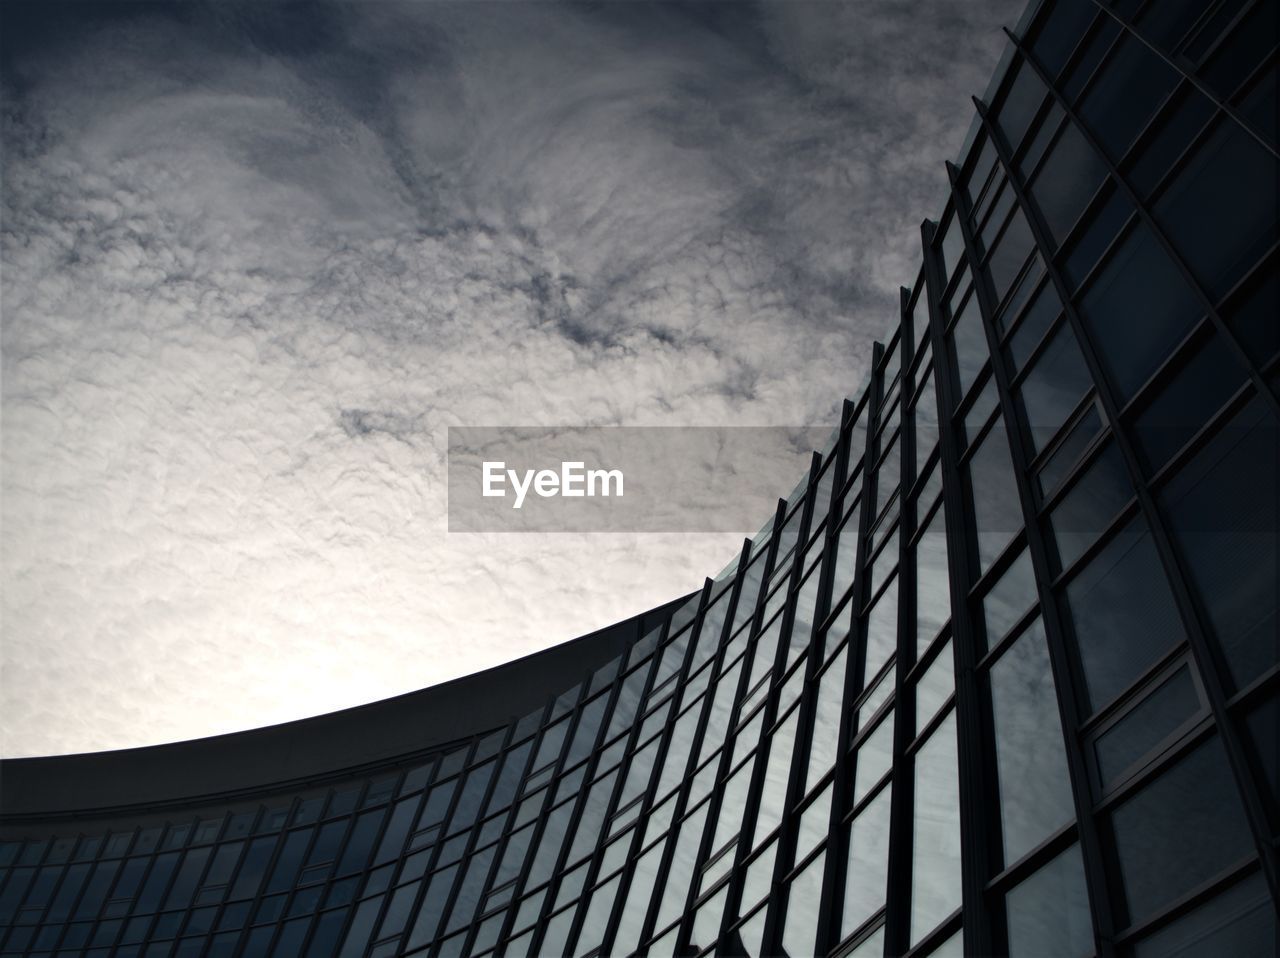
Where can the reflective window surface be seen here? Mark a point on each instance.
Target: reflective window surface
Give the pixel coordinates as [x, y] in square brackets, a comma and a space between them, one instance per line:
[1052, 640]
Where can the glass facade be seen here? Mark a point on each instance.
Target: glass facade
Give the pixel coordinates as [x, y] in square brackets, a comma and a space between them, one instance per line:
[1000, 676]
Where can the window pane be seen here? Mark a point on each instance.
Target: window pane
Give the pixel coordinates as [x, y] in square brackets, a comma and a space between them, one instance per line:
[1240, 922]
[875, 756]
[968, 343]
[1101, 227]
[1220, 212]
[882, 628]
[935, 846]
[952, 247]
[864, 891]
[1263, 736]
[1126, 94]
[1010, 252]
[1180, 831]
[1035, 790]
[997, 511]
[933, 590]
[1024, 98]
[1222, 509]
[1173, 132]
[1146, 725]
[1184, 404]
[1123, 613]
[1071, 174]
[1048, 913]
[1009, 598]
[1039, 316]
[1090, 505]
[1054, 386]
[1137, 309]
[1062, 461]
[935, 686]
[798, 938]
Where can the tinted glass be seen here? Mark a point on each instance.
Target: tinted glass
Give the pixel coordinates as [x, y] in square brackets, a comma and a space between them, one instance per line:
[1180, 830]
[935, 850]
[1222, 510]
[1010, 597]
[996, 508]
[864, 891]
[1048, 913]
[1240, 922]
[1090, 505]
[1054, 386]
[1220, 210]
[1035, 791]
[1165, 708]
[1180, 407]
[1123, 614]
[1071, 174]
[1125, 95]
[1136, 310]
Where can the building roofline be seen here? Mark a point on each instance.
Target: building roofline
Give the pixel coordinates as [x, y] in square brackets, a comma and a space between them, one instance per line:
[311, 750]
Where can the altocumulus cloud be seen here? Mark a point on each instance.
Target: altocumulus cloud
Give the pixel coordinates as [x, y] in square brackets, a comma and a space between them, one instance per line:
[257, 258]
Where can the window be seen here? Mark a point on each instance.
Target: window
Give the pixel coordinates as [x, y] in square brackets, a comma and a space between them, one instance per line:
[1222, 511]
[1061, 32]
[935, 843]
[1048, 913]
[864, 891]
[1100, 228]
[1220, 211]
[1183, 404]
[1010, 252]
[1054, 387]
[1252, 314]
[968, 343]
[1037, 319]
[1061, 462]
[1071, 174]
[1090, 505]
[1031, 765]
[1123, 613]
[997, 511]
[1136, 310]
[1240, 921]
[1123, 99]
[933, 590]
[1185, 116]
[1142, 728]
[1007, 601]
[1025, 95]
[1179, 831]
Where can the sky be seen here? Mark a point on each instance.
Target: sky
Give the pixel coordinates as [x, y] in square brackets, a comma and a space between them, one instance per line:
[256, 258]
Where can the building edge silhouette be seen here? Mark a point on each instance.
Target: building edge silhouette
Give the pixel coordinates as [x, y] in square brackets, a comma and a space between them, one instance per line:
[1000, 677]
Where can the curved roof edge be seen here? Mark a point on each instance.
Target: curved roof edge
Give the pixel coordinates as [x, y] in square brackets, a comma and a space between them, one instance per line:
[308, 750]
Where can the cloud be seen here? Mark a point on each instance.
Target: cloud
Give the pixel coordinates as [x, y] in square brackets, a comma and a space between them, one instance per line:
[256, 262]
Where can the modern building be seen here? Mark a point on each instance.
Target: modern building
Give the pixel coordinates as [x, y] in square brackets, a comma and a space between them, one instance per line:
[999, 677]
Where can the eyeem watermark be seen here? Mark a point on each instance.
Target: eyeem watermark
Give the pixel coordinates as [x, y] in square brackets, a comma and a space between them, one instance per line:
[623, 478]
[573, 481]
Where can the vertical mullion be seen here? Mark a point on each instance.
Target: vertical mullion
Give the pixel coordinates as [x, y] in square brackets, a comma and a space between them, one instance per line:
[637, 830]
[1050, 611]
[807, 707]
[753, 629]
[842, 783]
[716, 665]
[974, 784]
[759, 771]
[655, 776]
